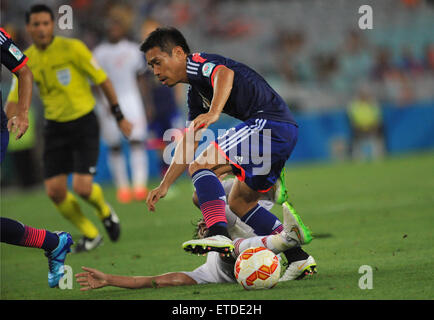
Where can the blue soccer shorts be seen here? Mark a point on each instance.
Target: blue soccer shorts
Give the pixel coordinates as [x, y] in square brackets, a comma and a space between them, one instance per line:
[257, 150]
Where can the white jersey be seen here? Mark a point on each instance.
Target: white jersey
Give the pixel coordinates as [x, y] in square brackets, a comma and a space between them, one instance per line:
[122, 61]
[214, 270]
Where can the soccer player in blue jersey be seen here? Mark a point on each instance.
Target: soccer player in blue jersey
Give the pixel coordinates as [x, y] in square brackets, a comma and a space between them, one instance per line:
[55, 244]
[255, 150]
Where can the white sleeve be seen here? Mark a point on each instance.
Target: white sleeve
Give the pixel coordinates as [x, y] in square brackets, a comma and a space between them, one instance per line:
[139, 59]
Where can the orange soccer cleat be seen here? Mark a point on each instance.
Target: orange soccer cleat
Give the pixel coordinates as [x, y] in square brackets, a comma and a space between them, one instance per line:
[140, 193]
[124, 195]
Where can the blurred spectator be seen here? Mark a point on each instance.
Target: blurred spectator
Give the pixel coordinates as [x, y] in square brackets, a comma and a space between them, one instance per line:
[395, 84]
[326, 68]
[355, 61]
[367, 129]
[429, 57]
[409, 64]
[382, 65]
[291, 62]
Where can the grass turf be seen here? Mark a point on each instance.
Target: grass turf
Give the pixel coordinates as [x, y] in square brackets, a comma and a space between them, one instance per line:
[377, 214]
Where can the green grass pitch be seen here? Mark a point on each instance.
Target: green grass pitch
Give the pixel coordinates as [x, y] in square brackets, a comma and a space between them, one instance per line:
[378, 214]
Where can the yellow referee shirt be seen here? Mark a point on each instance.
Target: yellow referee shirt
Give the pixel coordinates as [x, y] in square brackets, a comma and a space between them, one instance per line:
[61, 72]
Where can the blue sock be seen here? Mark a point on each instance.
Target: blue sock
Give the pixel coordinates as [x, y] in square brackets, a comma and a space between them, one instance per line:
[14, 232]
[262, 221]
[212, 200]
[11, 231]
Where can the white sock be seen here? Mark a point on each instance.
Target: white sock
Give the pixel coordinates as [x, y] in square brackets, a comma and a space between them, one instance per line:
[118, 169]
[275, 242]
[237, 228]
[231, 217]
[139, 165]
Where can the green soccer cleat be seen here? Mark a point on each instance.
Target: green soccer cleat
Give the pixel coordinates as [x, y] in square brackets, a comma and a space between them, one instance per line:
[281, 192]
[216, 243]
[294, 226]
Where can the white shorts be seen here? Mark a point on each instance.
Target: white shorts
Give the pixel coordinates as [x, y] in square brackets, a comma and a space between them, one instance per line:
[214, 270]
[133, 111]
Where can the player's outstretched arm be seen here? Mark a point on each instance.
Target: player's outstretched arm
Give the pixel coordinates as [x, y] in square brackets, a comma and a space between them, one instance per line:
[95, 279]
[18, 113]
[183, 156]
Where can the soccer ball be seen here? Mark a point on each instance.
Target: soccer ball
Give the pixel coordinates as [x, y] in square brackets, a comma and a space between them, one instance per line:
[257, 268]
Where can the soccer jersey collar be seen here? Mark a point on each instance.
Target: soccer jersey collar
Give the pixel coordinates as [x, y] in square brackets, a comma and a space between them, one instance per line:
[49, 45]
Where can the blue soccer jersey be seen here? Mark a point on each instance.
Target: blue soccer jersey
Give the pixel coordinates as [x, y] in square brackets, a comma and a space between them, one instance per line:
[251, 95]
[13, 59]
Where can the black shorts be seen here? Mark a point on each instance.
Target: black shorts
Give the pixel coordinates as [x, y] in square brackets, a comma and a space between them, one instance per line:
[71, 147]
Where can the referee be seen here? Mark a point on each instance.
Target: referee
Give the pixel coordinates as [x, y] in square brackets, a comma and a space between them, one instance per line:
[61, 68]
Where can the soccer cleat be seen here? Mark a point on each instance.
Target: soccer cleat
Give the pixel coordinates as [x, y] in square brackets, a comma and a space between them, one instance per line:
[299, 269]
[124, 195]
[281, 193]
[87, 244]
[140, 193]
[216, 243]
[112, 225]
[294, 227]
[278, 192]
[56, 258]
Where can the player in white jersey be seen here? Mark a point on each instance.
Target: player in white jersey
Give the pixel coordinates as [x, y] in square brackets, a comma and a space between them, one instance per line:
[123, 61]
[216, 269]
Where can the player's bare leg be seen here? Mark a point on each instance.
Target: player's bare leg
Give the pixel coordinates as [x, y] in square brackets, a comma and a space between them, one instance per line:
[56, 188]
[242, 198]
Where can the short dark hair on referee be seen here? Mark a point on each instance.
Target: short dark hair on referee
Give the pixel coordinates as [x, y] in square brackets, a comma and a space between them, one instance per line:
[37, 8]
[166, 39]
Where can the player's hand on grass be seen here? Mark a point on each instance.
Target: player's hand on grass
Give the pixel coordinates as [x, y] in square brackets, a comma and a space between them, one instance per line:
[154, 196]
[91, 279]
[18, 125]
[126, 127]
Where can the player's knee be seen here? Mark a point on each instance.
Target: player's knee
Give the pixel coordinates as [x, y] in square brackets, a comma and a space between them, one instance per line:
[82, 189]
[56, 194]
[193, 167]
[239, 205]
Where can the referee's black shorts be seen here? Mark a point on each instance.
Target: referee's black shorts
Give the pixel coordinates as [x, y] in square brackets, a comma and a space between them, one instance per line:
[71, 147]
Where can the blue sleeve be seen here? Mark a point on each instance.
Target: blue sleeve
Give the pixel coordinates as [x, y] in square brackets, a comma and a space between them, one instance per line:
[201, 67]
[11, 56]
[195, 104]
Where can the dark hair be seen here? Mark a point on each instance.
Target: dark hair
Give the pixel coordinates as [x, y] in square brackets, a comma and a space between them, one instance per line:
[37, 8]
[166, 39]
